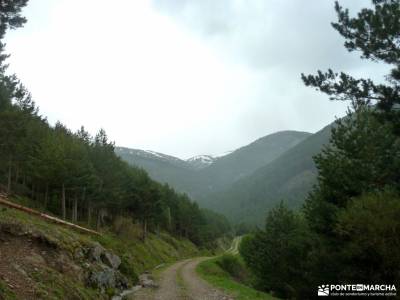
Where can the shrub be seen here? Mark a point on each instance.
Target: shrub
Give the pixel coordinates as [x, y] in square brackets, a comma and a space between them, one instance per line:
[277, 256]
[127, 268]
[124, 227]
[232, 265]
[369, 229]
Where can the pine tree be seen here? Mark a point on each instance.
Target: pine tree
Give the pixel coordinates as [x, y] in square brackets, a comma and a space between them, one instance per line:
[375, 32]
[10, 18]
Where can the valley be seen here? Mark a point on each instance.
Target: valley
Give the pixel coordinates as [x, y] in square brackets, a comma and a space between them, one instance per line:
[305, 203]
[246, 182]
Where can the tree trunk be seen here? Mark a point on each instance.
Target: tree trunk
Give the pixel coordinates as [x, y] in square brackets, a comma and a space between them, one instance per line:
[89, 213]
[83, 194]
[5, 202]
[46, 195]
[9, 175]
[169, 219]
[75, 210]
[33, 192]
[99, 210]
[16, 174]
[83, 200]
[144, 231]
[63, 208]
[98, 220]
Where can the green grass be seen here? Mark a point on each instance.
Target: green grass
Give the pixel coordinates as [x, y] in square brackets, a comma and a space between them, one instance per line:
[61, 286]
[155, 251]
[212, 273]
[136, 256]
[5, 292]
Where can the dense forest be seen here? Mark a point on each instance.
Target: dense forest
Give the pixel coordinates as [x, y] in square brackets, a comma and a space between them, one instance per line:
[348, 230]
[78, 177]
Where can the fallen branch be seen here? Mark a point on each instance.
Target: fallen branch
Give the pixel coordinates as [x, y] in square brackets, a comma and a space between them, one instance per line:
[28, 210]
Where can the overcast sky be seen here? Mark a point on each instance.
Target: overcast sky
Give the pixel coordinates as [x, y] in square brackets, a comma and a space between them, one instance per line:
[182, 77]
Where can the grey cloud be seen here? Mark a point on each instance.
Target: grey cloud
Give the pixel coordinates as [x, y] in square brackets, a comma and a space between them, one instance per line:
[208, 17]
[278, 40]
[268, 33]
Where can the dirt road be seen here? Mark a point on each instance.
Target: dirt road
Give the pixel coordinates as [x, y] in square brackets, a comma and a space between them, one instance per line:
[181, 282]
[234, 249]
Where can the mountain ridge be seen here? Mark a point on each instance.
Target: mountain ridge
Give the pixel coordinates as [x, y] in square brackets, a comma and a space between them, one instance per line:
[288, 178]
[201, 175]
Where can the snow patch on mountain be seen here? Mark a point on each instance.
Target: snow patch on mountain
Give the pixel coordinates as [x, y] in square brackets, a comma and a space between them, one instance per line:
[202, 158]
[196, 162]
[149, 154]
[201, 161]
[154, 153]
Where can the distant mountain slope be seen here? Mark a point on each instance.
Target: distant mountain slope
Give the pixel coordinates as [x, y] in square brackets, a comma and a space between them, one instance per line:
[244, 161]
[205, 174]
[136, 154]
[289, 177]
[163, 168]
